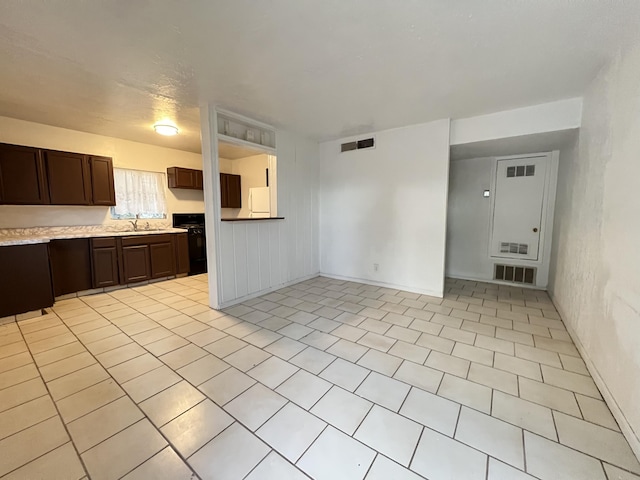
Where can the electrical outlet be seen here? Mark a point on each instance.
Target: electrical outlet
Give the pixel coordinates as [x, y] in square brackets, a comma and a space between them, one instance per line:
[375, 267]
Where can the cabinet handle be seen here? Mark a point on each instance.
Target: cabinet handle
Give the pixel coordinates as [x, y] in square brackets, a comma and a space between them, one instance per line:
[535, 230]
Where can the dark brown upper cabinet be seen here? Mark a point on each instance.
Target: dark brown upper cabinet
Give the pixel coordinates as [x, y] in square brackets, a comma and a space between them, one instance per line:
[189, 178]
[69, 178]
[22, 176]
[102, 187]
[33, 176]
[230, 191]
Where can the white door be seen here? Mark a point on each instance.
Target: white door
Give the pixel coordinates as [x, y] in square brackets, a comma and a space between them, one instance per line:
[517, 213]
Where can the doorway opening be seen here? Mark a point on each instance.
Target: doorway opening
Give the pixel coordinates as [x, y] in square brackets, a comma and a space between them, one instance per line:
[500, 209]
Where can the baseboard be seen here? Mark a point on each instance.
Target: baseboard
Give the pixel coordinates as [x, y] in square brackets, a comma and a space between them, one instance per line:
[406, 288]
[235, 301]
[625, 427]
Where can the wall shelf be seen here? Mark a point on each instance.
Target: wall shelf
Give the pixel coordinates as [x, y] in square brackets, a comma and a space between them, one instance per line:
[235, 128]
[250, 145]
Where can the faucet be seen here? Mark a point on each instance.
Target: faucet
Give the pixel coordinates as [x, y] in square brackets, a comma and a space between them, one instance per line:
[135, 224]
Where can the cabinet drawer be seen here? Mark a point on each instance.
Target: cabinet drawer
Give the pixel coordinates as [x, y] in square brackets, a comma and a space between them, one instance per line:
[103, 242]
[145, 239]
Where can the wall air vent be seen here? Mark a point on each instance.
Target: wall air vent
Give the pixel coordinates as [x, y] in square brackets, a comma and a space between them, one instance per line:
[519, 248]
[515, 274]
[521, 171]
[358, 145]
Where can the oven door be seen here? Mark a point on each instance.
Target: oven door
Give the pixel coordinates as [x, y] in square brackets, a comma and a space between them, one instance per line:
[197, 244]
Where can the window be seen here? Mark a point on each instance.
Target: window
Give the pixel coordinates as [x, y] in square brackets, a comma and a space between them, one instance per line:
[139, 193]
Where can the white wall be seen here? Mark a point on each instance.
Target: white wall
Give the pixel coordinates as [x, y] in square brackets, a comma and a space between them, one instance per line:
[595, 277]
[468, 219]
[546, 117]
[251, 256]
[125, 154]
[387, 205]
[252, 170]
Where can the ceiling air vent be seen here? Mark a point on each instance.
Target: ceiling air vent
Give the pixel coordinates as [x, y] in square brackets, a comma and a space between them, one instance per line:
[515, 274]
[358, 145]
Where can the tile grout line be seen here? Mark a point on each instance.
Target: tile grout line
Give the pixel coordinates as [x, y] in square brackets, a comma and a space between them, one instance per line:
[59, 415]
[145, 416]
[328, 347]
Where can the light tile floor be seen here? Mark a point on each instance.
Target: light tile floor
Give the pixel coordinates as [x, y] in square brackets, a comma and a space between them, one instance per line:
[324, 379]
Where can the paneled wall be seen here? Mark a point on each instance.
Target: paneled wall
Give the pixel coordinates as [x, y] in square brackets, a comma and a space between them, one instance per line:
[259, 256]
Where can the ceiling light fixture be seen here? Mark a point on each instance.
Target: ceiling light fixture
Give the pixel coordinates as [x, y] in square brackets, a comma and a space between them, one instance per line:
[165, 129]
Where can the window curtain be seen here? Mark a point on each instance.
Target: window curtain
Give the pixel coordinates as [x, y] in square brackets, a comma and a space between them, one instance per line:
[139, 192]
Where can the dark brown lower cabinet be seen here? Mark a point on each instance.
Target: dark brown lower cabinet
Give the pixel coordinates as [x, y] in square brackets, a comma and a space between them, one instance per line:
[32, 275]
[147, 257]
[181, 241]
[104, 262]
[25, 279]
[163, 260]
[70, 265]
[135, 263]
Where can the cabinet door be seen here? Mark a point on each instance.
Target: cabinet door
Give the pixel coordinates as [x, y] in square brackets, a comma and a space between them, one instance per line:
[22, 176]
[68, 177]
[25, 279]
[136, 266]
[199, 180]
[104, 266]
[162, 260]
[224, 190]
[70, 265]
[102, 187]
[182, 252]
[185, 178]
[234, 191]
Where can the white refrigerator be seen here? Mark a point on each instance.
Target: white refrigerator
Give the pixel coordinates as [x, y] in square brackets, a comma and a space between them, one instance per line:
[259, 202]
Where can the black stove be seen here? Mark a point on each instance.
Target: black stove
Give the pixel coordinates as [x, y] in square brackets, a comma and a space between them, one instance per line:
[194, 223]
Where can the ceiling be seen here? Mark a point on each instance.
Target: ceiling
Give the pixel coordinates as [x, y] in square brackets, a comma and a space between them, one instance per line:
[523, 144]
[325, 69]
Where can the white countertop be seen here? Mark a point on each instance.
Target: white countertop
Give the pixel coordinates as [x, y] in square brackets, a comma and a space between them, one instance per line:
[45, 235]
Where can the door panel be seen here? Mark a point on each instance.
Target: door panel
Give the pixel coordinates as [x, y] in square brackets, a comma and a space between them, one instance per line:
[102, 187]
[25, 279]
[68, 175]
[136, 263]
[182, 253]
[235, 191]
[185, 178]
[22, 178]
[517, 214]
[162, 260]
[105, 267]
[70, 265]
